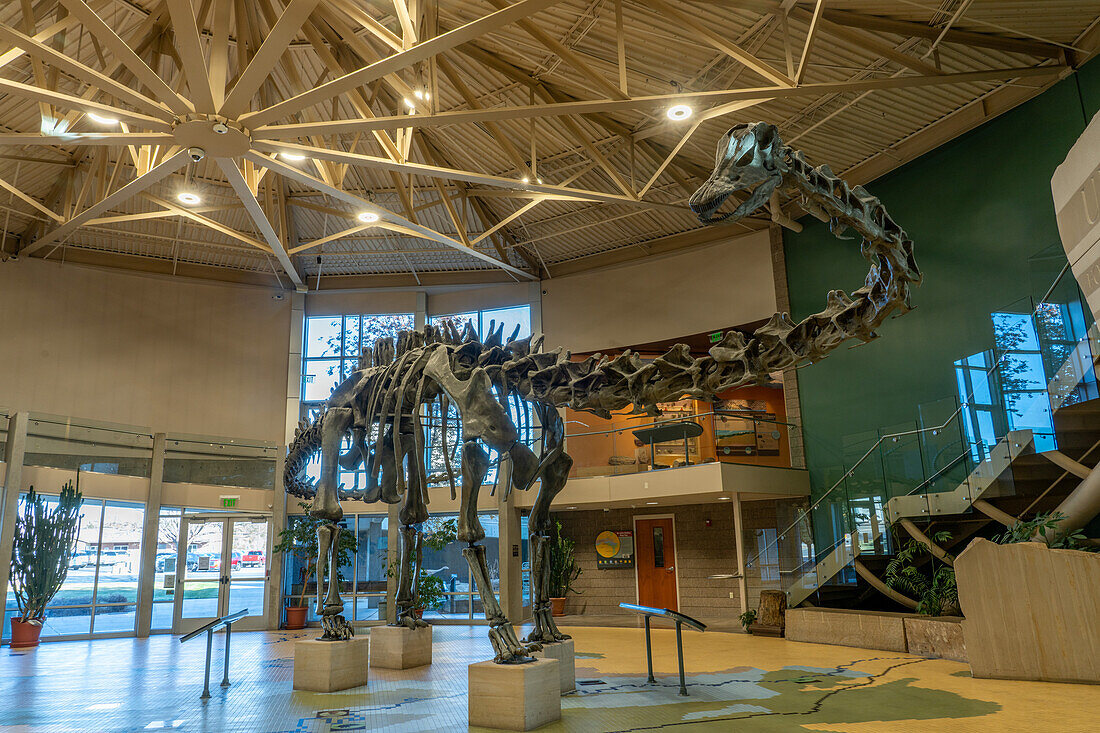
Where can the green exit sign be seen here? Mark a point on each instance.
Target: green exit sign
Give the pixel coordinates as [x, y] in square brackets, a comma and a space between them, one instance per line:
[716, 337]
[229, 502]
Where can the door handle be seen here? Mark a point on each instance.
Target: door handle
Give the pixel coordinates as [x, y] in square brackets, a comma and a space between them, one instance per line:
[670, 568]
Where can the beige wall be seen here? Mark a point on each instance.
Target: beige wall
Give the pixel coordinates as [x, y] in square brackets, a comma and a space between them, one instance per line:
[707, 288]
[172, 355]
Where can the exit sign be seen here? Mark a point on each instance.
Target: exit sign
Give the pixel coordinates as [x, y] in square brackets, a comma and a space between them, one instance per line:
[229, 502]
[716, 337]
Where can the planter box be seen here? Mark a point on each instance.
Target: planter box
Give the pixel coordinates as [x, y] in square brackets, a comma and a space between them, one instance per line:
[936, 636]
[926, 636]
[866, 629]
[1031, 612]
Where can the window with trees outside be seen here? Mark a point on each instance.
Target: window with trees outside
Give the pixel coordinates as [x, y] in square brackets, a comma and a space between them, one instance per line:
[522, 415]
[331, 353]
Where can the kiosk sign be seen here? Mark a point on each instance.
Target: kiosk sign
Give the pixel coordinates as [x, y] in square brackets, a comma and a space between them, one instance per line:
[614, 549]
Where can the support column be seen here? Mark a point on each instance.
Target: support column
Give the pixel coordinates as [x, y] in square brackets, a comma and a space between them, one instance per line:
[420, 316]
[535, 300]
[150, 536]
[13, 458]
[739, 530]
[511, 570]
[274, 610]
[294, 366]
[790, 376]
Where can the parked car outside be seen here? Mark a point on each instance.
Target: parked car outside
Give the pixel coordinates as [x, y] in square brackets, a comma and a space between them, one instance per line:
[253, 558]
[81, 559]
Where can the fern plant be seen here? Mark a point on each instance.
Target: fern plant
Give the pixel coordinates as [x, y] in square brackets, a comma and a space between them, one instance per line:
[935, 591]
[1045, 526]
[44, 541]
[747, 619]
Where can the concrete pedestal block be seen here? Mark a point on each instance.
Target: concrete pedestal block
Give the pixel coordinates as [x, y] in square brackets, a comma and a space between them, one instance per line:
[515, 696]
[563, 652]
[399, 647]
[940, 637]
[328, 666]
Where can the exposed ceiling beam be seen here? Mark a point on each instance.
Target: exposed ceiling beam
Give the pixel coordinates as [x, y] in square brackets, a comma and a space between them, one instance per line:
[67, 101]
[131, 189]
[332, 127]
[276, 42]
[17, 139]
[965, 38]
[432, 171]
[127, 57]
[190, 48]
[396, 62]
[259, 218]
[396, 222]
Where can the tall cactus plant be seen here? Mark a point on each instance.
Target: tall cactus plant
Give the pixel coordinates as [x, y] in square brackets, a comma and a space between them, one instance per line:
[44, 539]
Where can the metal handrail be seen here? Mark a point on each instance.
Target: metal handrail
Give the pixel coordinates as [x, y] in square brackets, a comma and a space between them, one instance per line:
[680, 619]
[210, 628]
[904, 433]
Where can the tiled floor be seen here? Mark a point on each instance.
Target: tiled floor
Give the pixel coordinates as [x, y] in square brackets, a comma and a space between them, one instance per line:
[736, 683]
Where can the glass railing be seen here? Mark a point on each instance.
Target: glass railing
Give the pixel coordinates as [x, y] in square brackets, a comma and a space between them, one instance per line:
[1044, 359]
[619, 446]
[197, 460]
[88, 446]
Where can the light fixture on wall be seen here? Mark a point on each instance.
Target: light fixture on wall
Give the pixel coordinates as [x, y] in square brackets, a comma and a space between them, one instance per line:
[678, 112]
[369, 217]
[190, 199]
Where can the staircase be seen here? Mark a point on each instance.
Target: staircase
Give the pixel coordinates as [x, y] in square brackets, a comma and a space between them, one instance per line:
[1013, 480]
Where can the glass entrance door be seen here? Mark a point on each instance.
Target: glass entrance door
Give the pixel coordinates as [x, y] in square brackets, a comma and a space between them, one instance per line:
[221, 569]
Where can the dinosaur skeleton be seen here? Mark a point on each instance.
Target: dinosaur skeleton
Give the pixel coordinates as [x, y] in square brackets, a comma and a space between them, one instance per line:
[380, 405]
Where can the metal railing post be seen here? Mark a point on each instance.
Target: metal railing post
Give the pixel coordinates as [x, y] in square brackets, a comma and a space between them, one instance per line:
[648, 652]
[206, 678]
[680, 659]
[225, 671]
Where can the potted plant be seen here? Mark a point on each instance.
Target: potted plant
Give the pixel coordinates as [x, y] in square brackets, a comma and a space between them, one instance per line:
[430, 588]
[41, 552]
[299, 540]
[747, 619]
[563, 570]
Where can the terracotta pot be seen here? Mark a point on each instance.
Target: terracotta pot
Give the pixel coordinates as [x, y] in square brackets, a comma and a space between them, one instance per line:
[557, 606]
[296, 617]
[417, 613]
[25, 635]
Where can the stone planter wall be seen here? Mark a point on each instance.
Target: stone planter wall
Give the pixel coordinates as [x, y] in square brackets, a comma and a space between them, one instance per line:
[924, 636]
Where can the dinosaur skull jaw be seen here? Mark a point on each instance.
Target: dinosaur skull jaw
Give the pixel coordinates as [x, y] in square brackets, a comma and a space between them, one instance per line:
[741, 165]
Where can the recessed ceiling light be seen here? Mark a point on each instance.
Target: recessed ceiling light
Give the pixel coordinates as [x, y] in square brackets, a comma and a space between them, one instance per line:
[189, 198]
[292, 156]
[409, 103]
[101, 119]
[419, 94]
[526, 179]
[679, 112]
[368, 217]
[651, 502]
[723, 498]
[570, 507]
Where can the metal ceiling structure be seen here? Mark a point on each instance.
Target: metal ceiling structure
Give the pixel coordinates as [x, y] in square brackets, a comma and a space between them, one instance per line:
[336, 143]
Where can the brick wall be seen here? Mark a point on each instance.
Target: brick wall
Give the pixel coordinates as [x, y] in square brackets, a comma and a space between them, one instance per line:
[700, 551]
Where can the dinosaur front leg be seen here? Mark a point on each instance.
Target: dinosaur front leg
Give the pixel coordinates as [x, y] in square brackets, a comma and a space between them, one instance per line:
[325, 537]
[506, 644]
[326, 503]
[553, 481]
[335, 626]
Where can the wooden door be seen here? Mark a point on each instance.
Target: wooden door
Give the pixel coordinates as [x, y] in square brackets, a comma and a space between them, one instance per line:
[655, 558]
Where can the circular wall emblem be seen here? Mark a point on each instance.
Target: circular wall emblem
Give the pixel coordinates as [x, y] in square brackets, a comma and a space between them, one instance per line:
[607, 544]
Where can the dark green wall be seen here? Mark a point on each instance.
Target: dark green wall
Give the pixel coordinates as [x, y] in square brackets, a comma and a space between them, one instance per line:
[976, 209]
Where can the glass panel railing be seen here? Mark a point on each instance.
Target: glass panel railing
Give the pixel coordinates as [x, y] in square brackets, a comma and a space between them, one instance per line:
[88, 446]
[960, 447]
[614, 447]
[194, 460]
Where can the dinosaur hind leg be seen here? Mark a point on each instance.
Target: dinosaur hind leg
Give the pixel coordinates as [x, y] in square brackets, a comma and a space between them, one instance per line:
[553, 481]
